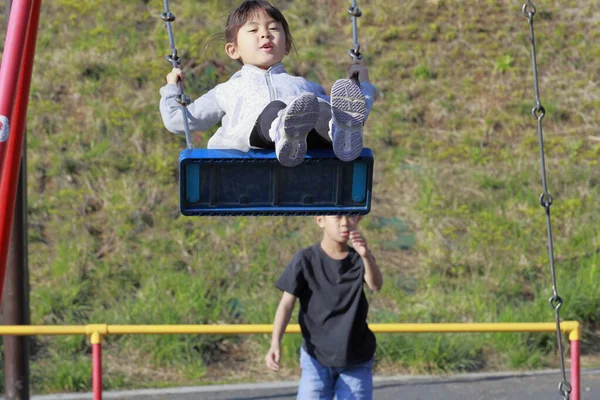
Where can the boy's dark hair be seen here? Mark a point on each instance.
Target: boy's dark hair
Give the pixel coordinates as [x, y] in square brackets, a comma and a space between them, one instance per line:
[246, 10]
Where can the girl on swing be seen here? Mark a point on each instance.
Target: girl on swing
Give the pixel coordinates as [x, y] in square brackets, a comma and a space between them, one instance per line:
[262, 106]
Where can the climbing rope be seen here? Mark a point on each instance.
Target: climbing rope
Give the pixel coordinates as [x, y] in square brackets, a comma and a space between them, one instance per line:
[538, 113]
[175, 61]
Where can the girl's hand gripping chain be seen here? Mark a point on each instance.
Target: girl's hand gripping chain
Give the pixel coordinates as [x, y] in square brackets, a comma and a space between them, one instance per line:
[175, 76]
[358, 69]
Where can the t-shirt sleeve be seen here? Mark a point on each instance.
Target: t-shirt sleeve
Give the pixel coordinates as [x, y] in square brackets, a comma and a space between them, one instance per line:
[292, 280]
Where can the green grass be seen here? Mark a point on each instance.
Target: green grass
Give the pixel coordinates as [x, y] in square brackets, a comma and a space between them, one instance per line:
[455, 224]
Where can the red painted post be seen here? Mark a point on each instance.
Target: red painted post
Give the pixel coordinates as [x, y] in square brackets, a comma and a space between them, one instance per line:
[15, 73]
[14, 46]
[97, 369]
[575, 377]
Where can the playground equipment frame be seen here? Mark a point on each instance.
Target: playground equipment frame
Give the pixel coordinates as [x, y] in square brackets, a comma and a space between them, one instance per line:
[97, 331]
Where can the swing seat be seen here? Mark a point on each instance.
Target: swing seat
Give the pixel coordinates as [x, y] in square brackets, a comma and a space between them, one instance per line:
[231, 182]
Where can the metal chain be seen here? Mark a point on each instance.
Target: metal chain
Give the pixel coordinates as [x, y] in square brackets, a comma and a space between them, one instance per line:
[175, 61]
[355, 13]
[538, 113]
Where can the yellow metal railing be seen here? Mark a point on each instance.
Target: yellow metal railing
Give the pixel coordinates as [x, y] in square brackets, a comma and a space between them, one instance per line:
[97, 331]
[573, 328]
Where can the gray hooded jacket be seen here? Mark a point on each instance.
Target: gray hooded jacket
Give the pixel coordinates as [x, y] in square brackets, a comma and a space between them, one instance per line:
[238, 102]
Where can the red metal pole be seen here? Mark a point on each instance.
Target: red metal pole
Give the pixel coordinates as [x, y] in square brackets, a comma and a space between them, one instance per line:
[575, 377]
[12, 56]
[97, 370]
[9, 173]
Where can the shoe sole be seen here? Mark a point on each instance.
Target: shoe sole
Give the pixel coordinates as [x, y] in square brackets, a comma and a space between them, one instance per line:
[299, 119]
[349, 110]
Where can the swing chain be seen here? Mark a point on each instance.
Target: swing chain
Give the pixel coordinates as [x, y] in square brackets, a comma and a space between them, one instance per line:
[527, 13]
[545, 200]
[175, 61]
[356, 13]
[168, 16]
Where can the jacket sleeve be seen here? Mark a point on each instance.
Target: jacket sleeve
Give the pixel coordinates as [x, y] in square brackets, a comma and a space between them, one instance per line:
[319, 91]
[202, 114]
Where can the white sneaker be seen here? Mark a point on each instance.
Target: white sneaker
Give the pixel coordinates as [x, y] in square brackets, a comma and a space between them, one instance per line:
[291, 127]
[348, 112]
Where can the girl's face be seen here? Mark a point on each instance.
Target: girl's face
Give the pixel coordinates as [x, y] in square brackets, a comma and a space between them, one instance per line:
[260, 42]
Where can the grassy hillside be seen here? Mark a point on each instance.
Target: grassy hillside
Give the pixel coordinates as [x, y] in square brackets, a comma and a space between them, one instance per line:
[456, 224]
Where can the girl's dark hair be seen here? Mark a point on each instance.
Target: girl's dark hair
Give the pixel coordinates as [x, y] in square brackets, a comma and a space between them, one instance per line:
[246, 10]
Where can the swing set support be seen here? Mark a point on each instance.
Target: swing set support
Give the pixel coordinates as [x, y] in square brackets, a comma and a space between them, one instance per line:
[15, 82]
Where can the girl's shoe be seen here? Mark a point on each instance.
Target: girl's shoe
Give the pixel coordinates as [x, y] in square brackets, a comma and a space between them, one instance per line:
[291, 127]
[349, 112]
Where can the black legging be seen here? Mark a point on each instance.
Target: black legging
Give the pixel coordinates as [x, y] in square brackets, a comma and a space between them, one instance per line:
[259, 137]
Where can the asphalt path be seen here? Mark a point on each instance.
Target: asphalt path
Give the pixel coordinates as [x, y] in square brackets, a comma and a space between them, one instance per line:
[541, 385]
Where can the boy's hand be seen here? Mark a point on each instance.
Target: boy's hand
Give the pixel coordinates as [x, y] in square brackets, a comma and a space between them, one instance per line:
[175, 76]
[273, 357]
[358, 67]
[359, 244]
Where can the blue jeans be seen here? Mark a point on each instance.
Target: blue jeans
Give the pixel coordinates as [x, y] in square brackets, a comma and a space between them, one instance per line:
[326, 383]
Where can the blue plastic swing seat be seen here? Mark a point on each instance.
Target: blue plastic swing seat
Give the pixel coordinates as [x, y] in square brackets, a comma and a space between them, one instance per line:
[231, 182]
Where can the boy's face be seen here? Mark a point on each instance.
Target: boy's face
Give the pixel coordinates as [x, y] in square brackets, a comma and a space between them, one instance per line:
[337, 228]
[260, 42]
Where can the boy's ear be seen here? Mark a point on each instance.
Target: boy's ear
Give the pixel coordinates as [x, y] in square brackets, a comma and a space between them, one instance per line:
[231, 51]
[319, 220]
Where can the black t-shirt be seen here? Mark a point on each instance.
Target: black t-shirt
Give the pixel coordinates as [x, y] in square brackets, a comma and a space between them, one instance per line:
[333, 306]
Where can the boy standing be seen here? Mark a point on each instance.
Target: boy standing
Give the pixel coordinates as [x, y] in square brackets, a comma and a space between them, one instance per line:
[338, 347]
